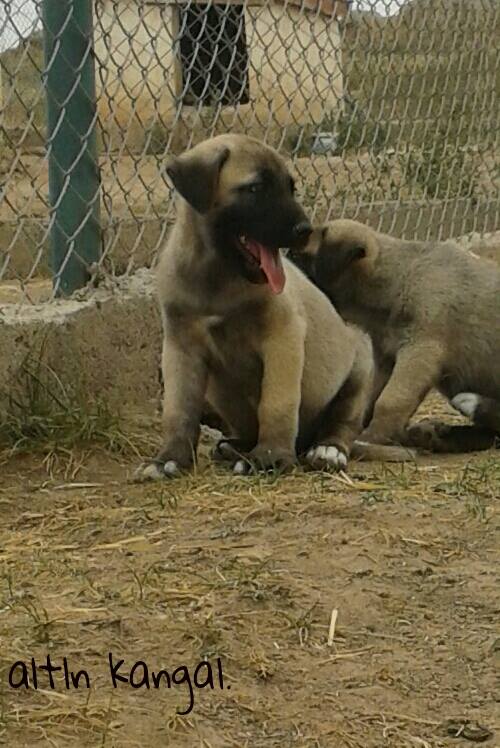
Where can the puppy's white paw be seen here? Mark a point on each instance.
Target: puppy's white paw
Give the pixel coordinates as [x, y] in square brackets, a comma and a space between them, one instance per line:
[171, 469]
[466, 403]
[241, 467]
[224, 451]
[148, 472]
[327, 457]
[154, 471]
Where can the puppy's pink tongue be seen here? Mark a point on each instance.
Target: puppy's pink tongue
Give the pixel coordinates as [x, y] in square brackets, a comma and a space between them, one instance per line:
[272, 267]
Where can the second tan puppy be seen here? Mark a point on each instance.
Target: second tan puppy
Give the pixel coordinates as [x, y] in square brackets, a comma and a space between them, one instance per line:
[244, 330]
[433, 313]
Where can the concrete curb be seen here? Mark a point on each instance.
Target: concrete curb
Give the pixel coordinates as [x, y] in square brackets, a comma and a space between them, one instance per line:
[104, 347]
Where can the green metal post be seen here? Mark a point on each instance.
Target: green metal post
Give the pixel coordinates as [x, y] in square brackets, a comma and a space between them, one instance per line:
[74, 179]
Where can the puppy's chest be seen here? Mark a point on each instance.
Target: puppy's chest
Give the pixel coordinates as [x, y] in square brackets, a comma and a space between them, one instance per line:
[234, 343]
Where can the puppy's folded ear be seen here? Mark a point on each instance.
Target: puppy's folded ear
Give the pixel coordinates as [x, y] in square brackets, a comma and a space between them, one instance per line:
[195, 176]
[349, 254]
[333, 258]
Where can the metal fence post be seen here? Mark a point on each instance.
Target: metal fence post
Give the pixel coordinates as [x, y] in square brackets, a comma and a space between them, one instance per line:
[74, 178]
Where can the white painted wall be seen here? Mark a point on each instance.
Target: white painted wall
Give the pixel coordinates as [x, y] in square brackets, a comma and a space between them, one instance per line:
[295, 77]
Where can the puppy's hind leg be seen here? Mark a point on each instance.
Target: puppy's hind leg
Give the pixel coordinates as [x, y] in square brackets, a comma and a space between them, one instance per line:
[343, 419]
[447, 438]
[230, 401]
[483, 433]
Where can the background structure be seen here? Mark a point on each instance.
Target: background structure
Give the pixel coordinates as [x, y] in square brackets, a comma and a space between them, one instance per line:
[389, 113]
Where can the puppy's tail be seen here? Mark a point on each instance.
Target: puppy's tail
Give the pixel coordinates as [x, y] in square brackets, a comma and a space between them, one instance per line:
[369, 452]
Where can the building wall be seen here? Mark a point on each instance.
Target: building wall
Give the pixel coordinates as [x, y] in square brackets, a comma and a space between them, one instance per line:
[135, 70]
[295, 77]
[295, 59]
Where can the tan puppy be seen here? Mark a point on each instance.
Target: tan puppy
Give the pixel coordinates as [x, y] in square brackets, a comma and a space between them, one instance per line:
[244, 330]
[432, 311]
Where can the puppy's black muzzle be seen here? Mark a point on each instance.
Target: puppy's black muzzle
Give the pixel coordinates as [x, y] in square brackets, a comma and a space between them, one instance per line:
[301, 232]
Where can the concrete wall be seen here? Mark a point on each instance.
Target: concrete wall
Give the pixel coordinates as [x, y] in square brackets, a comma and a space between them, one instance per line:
[295, 77]
[105, 348]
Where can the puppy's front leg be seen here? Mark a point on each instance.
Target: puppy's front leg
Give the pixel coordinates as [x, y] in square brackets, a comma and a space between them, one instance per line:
[278, 411]
[416, 371]
[185, 375]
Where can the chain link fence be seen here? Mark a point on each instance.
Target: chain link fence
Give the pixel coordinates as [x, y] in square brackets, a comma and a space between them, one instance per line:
[388, 110]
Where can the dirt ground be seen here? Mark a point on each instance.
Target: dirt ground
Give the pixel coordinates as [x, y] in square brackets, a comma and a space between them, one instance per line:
[251, 571]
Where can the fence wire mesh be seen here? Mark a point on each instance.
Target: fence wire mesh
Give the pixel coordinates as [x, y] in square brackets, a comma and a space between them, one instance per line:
[388, 110]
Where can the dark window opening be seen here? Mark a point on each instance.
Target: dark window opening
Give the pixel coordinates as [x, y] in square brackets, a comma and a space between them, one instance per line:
[214, 55]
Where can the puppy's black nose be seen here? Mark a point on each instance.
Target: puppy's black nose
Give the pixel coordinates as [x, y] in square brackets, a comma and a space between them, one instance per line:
[302, 230]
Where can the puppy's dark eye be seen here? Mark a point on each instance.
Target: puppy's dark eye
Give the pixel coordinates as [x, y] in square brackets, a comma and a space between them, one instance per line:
[253, 189]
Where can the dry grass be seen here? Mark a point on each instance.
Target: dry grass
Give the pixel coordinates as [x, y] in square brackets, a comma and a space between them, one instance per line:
[249, 570]
[42, 416]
